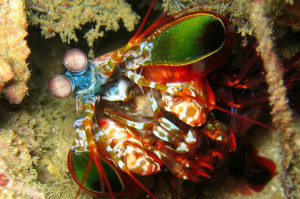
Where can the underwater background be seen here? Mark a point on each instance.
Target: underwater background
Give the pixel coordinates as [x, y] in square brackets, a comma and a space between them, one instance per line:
[36, 131]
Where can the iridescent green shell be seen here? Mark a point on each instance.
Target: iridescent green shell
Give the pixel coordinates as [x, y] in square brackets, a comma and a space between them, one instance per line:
[185, 40]
[78, 165]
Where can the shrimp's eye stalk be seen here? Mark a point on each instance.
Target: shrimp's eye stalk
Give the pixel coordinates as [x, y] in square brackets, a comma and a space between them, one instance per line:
[60, 86]
[75, 60]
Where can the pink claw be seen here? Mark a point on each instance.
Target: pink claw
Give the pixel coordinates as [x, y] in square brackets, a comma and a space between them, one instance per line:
[75, 60]
[60, 86]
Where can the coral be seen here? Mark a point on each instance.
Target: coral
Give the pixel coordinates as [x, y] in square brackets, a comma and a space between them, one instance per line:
[14, 50]
[6, 72]
[16, 161]
[281, 112]
[64, 17]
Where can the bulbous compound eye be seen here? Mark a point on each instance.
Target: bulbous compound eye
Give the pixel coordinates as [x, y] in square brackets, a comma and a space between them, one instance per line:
[75, 60]
[60, 86]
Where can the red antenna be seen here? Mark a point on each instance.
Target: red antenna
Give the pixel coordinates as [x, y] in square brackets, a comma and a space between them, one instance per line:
[143, 22]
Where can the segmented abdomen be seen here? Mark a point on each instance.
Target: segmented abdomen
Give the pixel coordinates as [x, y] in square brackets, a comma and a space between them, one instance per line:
[128, 147]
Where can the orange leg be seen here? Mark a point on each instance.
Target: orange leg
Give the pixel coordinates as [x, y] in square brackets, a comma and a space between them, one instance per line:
[87, 140]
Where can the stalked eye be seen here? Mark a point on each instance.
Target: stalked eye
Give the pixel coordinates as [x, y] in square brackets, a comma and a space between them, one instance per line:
[60, 86]
[75, 60]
